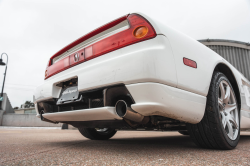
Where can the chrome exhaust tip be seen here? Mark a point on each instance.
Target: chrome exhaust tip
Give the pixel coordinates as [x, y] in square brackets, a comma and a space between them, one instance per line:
[46, 120]
[123, 111]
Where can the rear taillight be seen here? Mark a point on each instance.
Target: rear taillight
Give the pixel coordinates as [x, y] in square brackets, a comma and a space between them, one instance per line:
[139, 30]
[58, 67]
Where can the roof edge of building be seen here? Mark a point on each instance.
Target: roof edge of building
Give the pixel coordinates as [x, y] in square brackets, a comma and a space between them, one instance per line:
[224, 42]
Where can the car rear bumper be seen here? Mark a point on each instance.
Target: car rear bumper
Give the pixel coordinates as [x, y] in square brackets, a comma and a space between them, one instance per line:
[150, 99]
[148, 61]
[163, 100]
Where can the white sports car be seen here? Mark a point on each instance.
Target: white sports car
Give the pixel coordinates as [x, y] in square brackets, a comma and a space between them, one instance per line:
[135, 73]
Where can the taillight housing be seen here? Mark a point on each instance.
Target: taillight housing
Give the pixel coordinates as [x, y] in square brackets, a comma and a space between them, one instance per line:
[139, 30]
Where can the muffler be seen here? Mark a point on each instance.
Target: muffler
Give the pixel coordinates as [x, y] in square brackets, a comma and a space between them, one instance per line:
[126, 112]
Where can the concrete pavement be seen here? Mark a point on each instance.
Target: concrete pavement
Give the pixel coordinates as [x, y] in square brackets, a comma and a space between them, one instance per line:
[69, 147]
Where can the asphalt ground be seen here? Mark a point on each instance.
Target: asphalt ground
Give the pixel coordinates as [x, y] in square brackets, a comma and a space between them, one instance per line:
[69, 147]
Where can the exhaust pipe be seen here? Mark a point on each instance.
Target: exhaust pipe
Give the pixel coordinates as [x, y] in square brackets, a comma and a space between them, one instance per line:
[126, 112]
[46, 120]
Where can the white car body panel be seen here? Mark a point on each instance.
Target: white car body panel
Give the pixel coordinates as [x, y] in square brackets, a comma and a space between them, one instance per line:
[181, 90]
[158, 99]
[190, 79]
[245, 122]
[183, 46]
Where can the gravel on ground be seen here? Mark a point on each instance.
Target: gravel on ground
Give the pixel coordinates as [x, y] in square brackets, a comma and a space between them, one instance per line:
[69, 147]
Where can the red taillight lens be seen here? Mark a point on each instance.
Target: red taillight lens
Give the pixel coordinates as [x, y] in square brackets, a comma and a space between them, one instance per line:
[89, 53]
[58, 67]
[189, 62]
[140, 29]
[123, 38]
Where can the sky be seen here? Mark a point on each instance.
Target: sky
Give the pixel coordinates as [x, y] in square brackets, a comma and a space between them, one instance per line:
[31, 31]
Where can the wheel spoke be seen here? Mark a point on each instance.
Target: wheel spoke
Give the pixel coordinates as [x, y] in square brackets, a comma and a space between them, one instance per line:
[230, 107]
[223, 119]
[220, 102]
[227, 95]
[222, 90]
[232, 120]
[230, 130]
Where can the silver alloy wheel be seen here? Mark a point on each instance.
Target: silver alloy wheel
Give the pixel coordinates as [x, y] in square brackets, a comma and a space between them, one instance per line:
[228, 110]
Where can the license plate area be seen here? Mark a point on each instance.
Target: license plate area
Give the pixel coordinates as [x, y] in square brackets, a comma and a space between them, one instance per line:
[68, 95]
[69, 92]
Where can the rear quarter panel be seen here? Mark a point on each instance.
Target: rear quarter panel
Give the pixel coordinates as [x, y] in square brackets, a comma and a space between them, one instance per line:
[198, 80]
[189, 79]
[183, 46]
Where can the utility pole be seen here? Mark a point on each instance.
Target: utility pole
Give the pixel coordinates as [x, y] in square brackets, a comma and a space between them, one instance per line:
[3, 64]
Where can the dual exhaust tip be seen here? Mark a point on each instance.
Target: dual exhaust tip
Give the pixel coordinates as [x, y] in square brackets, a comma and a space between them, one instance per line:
[123, 111]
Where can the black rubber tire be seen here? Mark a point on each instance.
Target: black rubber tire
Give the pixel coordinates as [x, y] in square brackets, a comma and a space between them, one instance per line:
[93, 134]
[209, 132]
[183, 132]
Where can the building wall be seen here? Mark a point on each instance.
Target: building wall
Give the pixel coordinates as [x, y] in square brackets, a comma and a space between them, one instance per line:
[235, 52]
[238, 57]
[6, 105]
[25, 120]
[25, 110]
[19, 111]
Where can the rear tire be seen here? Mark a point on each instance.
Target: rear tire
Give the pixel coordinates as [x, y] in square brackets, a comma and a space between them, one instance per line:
[220, 127]
[97, 134]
